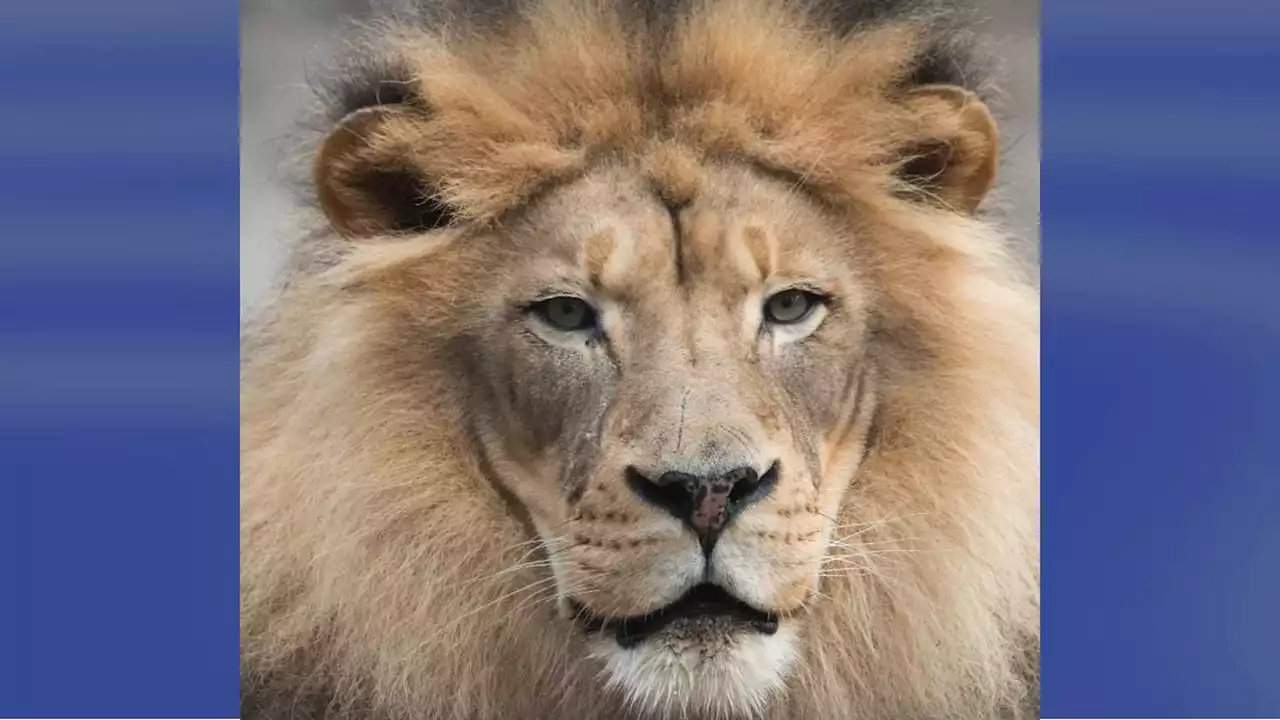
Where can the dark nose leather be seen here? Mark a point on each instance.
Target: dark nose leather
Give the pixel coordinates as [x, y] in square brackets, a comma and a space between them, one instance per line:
[705, 503]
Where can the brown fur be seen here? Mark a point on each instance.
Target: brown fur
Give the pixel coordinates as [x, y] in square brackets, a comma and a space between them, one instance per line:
[401, 520]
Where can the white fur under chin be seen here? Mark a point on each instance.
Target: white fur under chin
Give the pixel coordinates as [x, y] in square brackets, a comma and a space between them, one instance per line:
[734, 683]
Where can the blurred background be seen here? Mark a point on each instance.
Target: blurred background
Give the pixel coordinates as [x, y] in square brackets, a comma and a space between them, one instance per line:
[281, 41]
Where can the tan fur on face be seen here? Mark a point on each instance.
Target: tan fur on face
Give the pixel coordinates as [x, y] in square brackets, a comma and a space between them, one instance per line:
[405, 541]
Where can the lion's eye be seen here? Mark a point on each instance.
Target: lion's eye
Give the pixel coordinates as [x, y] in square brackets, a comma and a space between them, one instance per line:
[790, 306]
[566, 313]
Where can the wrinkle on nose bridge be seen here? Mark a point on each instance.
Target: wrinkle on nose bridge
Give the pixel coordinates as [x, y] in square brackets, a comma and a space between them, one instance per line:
[705, 447]
[690, 419]
[684, 401]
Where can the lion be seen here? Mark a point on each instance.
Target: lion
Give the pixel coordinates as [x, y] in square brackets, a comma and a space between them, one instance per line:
[647, 360]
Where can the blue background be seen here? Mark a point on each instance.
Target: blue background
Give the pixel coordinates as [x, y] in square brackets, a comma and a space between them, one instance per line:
[1161, 396]
[119, 325]
[118, 358]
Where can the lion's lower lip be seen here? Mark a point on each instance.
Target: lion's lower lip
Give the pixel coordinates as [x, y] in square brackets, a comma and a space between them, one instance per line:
[705, 602]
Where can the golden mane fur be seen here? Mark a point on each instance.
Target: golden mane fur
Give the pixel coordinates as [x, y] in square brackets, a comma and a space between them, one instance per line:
[384, 572]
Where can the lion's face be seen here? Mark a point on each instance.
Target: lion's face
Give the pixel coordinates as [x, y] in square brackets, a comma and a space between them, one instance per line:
[676, 396]
[711, 326]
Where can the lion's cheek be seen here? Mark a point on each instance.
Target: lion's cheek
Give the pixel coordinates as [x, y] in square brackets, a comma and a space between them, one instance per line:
[622, 580]
[767, 571]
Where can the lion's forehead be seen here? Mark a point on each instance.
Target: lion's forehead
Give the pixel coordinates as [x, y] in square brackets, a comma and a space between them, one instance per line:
[620, 226]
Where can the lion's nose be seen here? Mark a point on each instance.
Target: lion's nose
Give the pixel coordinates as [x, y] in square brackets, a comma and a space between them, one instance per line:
[706, 503]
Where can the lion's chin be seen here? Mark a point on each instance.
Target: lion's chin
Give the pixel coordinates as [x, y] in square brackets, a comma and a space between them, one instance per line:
[701, 670]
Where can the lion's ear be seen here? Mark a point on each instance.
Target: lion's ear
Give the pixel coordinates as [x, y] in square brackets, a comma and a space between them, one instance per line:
[365, 187]
[957, 164]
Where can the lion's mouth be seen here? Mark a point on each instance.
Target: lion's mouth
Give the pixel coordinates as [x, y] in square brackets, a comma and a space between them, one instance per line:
[704, 608]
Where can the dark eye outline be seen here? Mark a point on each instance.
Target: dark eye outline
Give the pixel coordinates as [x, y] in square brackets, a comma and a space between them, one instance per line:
[542, 307]
[814, 299]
